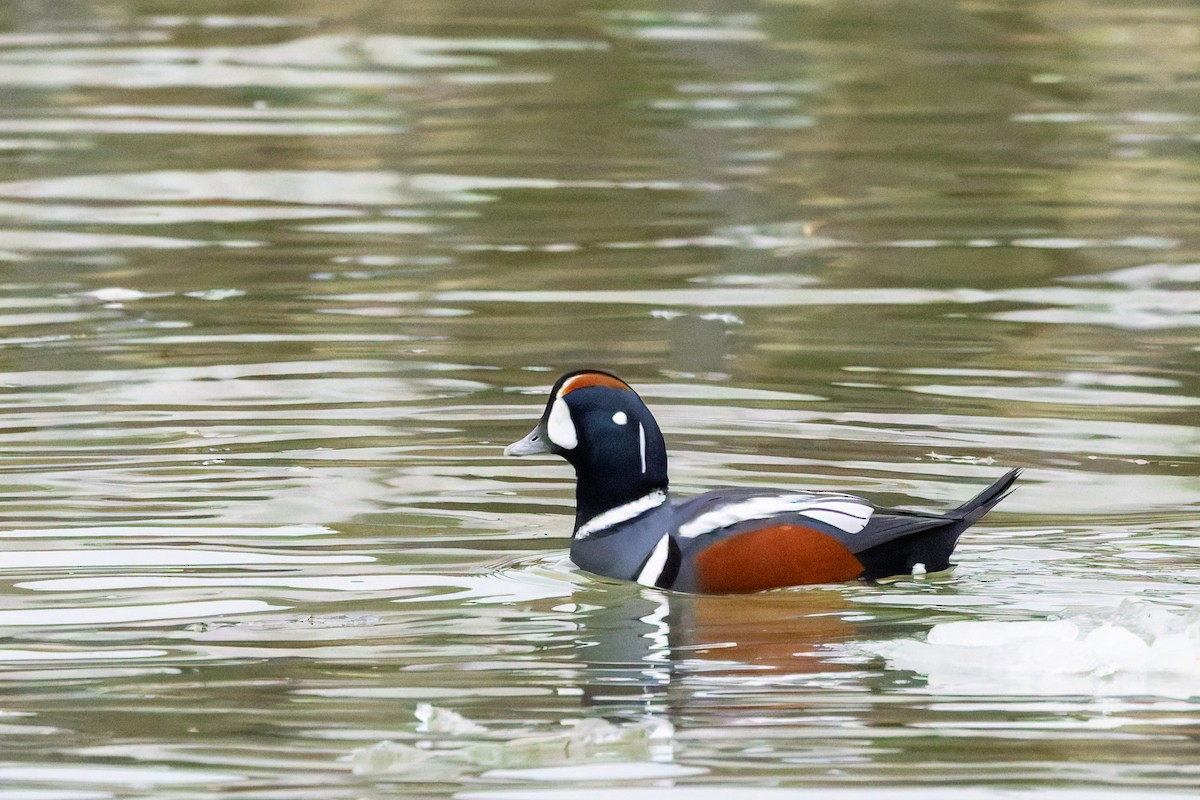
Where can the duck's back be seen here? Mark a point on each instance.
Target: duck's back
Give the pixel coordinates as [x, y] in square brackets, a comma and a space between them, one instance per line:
[744, 540]
[748, 540]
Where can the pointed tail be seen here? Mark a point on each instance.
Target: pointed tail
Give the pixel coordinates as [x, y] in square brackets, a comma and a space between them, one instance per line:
[982, 503]
[933, 546]
[935, 550]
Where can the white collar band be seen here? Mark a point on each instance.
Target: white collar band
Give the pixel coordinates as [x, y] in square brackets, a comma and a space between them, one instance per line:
[622, 513]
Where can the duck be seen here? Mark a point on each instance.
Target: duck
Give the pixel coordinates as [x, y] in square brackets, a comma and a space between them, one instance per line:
[724, 541]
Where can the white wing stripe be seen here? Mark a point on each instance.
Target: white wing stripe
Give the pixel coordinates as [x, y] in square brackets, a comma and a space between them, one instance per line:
[845, 507]
[836, 519]
[838, 511]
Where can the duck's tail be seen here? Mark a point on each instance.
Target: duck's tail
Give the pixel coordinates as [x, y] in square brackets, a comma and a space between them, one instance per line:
[930, 545]
[940, 545]
[982, 503]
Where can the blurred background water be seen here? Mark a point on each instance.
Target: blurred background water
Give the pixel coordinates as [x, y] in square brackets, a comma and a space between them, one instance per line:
[280, 279]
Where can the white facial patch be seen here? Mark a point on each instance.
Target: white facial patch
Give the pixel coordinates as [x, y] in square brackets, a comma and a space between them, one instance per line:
[620, 418]
[842, 512]
[560, 428]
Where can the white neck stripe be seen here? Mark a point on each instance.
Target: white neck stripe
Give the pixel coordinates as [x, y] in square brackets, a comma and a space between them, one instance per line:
[642, 445]
[622, 513]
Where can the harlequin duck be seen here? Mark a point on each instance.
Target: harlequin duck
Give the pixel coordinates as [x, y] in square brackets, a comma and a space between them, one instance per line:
[727, 540]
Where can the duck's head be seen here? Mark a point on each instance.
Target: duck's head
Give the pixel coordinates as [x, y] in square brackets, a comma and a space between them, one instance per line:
[603, 429]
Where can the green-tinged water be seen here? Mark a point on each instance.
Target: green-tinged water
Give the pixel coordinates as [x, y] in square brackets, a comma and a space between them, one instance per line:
[279, 280]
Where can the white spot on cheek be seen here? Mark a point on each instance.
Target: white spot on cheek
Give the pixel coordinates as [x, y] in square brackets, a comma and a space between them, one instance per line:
[620, 418]
[559, 426]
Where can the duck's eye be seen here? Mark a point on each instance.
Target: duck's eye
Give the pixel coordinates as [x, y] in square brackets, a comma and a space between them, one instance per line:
[620, 418]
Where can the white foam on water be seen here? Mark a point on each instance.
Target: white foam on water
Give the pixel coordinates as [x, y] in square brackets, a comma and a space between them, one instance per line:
[1138, 649]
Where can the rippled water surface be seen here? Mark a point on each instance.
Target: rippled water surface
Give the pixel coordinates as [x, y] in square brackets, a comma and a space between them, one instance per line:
[279, 280]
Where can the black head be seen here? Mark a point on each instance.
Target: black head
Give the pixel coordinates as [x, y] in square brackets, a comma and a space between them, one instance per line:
[603, 429]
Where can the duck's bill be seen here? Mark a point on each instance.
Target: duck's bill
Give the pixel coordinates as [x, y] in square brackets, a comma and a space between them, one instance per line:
[533, 443]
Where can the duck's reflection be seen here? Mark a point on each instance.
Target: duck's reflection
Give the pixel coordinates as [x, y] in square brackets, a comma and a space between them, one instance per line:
[643, 645]
[781, 631]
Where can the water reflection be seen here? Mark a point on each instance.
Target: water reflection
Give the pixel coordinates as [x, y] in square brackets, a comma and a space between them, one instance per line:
[340, 61]
[279, 284]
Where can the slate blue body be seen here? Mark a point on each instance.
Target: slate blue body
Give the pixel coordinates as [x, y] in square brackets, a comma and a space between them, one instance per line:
[628, 527]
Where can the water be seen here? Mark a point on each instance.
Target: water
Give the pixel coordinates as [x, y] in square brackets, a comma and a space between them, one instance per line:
[280, 281]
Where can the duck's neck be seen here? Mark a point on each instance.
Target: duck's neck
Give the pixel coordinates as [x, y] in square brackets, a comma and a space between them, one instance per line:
[618, 514]
[600, 498]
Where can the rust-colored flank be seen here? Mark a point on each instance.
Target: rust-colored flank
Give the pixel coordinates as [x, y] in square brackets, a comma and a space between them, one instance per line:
[592, 379]
[779, 555]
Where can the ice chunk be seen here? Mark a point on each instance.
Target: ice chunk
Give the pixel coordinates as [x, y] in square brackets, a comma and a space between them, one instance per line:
[1136, 649]
[386, 756]
[579, 741]
[443, 720]
[1000, 634]
[584, 740]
